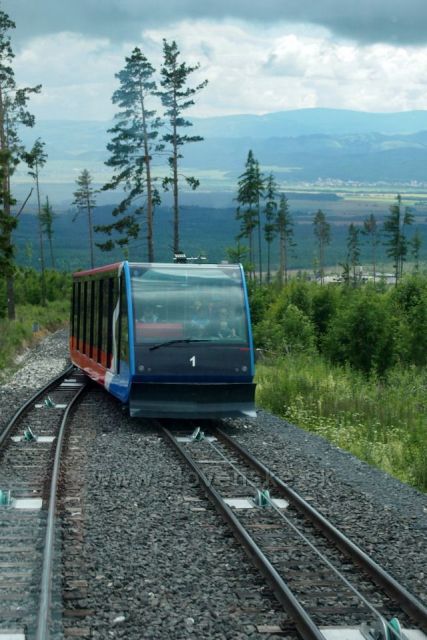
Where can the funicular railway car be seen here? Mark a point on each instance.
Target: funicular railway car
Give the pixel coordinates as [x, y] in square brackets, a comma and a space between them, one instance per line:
[169, 340]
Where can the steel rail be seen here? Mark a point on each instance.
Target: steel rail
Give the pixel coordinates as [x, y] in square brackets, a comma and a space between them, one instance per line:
[23, 408]
[46, 581]
[303, 622]
[409, 603]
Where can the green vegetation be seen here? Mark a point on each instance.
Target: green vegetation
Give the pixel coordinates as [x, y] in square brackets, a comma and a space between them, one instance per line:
[349, 364]
[32, 319]
[13, 115]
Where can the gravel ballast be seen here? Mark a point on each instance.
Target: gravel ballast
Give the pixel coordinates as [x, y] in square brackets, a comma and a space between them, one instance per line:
[158, 560]
[37, 365]
[156, 553]
[385, 517]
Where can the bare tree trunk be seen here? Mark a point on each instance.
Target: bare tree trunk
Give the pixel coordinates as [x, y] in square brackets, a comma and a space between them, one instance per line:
[285, 261]
[251, 255]
[282, 257]
[42, 262]
[321, 261]
[52, 259]
[89, 217]
[175, 187]
[150, 241]
[175, 204]
[374, 259]
[11, 299]
[259, 244]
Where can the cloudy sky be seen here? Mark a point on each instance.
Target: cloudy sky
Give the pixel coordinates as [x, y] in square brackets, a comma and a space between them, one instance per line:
[258, 56]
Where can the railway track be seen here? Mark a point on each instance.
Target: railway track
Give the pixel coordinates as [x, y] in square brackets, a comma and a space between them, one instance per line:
[30, 458]
[318, 603]
[329, 588]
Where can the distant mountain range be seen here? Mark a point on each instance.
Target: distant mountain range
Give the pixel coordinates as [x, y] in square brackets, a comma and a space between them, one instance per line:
[305, 122]
[300, 145]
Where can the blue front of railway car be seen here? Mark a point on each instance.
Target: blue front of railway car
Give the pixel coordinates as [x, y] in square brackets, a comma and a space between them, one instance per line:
[192, 342]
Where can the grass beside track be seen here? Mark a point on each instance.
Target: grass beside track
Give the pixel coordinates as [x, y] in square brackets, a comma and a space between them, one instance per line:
[383, 422]
[32, 322]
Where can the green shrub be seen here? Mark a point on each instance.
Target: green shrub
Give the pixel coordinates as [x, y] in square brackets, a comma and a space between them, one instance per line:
[290, 331]
[325, 303]
[410, 308]
[382, 421]
[362, 333]
[260, 299]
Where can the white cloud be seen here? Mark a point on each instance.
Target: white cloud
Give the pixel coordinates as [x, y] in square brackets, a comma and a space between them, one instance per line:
[77, 75]
[250, 70]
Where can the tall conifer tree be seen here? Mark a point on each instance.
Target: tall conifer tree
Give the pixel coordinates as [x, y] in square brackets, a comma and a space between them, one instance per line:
[270, 214]
[133, 143]
[13, 113]
[177, 97]
[371, 231]
[285, 229]
[85, 200]
[249, 190]
[394, 230]
[416, 244]
[47, 217]
[322, 231]
[353, 249]
[260, 185]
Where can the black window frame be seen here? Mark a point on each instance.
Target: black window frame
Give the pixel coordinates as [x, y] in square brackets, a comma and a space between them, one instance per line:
[85, 318]
[92, 317]
[100, 319]
[78, 313]
[124, 346]
[110, 321]
[73, 310]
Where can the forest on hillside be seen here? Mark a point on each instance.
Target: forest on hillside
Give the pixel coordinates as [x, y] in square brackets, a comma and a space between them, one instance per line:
[205, 230]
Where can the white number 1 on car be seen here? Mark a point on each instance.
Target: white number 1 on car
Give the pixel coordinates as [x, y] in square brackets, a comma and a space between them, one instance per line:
[193, 361]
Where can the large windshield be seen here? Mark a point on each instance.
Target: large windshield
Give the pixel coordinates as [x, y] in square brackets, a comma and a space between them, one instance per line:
[173, 303]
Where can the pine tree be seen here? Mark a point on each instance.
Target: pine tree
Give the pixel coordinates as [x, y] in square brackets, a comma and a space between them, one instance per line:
[353, 249]
[249, 191]
[322, 231]
[133, 143]
[13, 113]
[370, 229]
[260, 185]
[394, 230]
[270, 214]
[416, 244]
[177, 97]
[237, 254]
[36, 159]
[47, 217]
[85, 201]
[345, 275]
[285, 229]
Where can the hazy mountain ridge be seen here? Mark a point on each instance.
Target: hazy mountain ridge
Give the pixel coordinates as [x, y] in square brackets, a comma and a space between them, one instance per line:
[302, 122]
[302, 145]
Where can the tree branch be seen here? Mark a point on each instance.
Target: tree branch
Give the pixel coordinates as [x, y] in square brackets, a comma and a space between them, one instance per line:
[25, 202]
